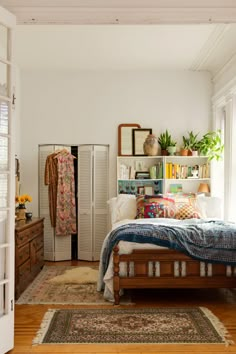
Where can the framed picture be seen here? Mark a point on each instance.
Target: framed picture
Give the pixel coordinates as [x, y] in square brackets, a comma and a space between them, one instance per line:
[140, 190]
[125, 142]
[142, 175]
[148, 190]
[139, 136]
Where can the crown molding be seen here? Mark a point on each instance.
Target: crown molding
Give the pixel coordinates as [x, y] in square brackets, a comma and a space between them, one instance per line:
[210, 45]
[121, 12]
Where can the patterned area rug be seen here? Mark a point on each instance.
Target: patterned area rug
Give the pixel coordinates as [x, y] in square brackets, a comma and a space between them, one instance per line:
[46, 290]
[194, 325]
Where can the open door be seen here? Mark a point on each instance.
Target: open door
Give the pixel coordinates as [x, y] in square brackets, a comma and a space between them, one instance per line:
[7, 185]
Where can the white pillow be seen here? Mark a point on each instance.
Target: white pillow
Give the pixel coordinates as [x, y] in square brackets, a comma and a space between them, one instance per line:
[122, 207]
[112, 209]
[210, 207]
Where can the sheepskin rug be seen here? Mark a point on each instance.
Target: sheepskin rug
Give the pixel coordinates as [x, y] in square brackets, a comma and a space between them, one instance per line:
[78, 275]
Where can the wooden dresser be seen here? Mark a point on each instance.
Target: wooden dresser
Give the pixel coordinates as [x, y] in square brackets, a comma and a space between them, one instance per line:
[29, 256]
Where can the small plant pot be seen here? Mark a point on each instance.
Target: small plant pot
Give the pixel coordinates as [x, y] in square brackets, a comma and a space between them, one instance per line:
[171, 150]
[194, 153]
[164, 153]
[184, 152]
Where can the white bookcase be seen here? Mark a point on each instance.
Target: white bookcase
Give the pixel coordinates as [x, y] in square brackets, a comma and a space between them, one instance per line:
[172, 173]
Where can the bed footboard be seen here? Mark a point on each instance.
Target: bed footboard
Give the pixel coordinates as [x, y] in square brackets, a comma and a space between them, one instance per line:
[166, 268]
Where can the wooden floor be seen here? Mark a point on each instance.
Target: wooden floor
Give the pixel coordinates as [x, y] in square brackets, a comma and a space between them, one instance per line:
[221, 302]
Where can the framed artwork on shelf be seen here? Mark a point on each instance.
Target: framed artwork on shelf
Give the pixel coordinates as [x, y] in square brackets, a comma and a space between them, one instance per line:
[125, 142]
[149, 190]
[140, 190]
[142, 175]
[139, 137]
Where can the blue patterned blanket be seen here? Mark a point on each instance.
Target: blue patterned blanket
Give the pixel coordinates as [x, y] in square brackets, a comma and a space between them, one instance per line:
[212, 241]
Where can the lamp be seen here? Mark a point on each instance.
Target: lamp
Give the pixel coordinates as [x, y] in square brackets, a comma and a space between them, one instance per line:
[203, 188]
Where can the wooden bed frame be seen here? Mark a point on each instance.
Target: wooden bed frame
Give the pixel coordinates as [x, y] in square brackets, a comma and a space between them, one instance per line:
[189, 274]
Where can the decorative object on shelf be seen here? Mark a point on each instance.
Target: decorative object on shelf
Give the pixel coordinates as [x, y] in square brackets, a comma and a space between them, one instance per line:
[140, 190]
[172, 148]
[142, 175]
[195, 171]
[21, 208]
[139, 137]
[203, 188]
[165, 141]
[176, 188]
[125, 147]
[148, 190]
[190, 144]
[28, 215]
[211, 145]
[150, 146]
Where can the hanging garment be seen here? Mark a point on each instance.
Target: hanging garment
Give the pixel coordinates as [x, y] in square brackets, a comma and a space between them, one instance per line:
[66, 210]
[51, 179]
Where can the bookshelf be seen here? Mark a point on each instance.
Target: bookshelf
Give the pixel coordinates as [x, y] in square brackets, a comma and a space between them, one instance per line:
[161, 174]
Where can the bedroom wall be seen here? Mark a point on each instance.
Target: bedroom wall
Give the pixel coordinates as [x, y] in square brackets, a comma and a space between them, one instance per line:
[87, 107]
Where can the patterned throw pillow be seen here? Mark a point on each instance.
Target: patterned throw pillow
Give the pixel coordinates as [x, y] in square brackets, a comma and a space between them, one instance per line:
[140, 207]
[186, 211]
[155, 207]
[154, 210]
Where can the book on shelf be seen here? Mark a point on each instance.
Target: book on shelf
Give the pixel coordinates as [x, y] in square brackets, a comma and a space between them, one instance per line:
[177, 171]
[176, 188]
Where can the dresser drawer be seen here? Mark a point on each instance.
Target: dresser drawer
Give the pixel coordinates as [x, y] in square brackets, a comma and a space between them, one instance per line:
[22, 254]
[38, 242]
[24, 270]
[22, 237]
[40, 256]
[29, 249]
[29, 233]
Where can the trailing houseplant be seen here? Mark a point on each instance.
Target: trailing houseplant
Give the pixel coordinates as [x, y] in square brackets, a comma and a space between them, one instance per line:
[211, 145]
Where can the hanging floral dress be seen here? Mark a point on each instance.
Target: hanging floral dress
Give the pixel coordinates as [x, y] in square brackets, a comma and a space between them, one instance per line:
[66, 209]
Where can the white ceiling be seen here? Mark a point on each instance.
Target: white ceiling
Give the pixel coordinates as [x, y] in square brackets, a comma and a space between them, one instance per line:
[137, 47]
[125, 34]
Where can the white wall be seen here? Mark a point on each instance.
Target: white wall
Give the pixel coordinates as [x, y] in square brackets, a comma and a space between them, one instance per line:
[86, 107]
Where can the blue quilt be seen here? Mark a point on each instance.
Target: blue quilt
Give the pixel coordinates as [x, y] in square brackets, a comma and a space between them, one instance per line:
[212, 241]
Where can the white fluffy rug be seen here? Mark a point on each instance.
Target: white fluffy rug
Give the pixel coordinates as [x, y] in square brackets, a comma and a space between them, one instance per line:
[80, 275]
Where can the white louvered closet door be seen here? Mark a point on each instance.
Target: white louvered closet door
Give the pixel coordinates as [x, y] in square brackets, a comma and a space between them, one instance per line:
[56, 248]
[85, 202]
[92, 200]
[101, 184]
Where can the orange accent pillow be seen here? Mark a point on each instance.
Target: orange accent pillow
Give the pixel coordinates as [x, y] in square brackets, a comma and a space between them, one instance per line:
[186, 211]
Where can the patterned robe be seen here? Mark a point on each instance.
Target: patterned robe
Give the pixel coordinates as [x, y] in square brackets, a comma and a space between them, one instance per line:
[66, 209]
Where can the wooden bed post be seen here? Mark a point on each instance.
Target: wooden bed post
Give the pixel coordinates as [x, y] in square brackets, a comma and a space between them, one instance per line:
[116, 279]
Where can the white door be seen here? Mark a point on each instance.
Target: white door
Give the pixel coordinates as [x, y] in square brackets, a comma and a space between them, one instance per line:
[92, 200]
[7, 185]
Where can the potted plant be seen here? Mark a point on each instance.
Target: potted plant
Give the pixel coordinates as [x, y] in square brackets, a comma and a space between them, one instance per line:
[172, 147]
[211, 145]
[164, 141]
[186, 147]
[193, 144]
